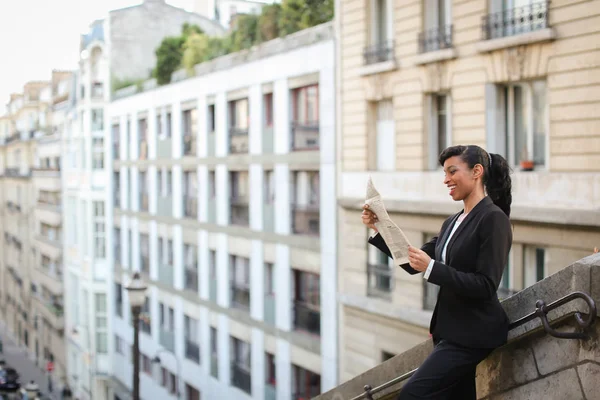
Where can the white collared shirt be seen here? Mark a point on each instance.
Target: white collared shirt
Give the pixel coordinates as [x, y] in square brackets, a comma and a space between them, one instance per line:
[460, 219]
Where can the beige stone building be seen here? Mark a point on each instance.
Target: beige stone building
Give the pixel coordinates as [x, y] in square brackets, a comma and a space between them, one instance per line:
[31, 262]
[519, 78]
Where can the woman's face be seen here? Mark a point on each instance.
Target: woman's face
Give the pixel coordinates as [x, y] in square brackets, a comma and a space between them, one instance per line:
[459, 178]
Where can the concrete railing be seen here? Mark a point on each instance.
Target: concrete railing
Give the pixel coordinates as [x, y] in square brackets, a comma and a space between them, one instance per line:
[533, 364]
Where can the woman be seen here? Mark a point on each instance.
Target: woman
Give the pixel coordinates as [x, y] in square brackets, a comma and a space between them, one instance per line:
[466, 260]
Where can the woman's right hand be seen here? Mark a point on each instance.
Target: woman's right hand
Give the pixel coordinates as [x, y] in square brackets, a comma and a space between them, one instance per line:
[369, 218]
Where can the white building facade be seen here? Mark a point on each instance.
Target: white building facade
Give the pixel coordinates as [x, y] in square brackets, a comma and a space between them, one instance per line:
[224, 200]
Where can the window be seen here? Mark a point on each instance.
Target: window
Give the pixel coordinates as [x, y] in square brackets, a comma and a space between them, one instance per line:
[192, 348]
[269, 185]
[306, 105]
[306, 203]
[190, 264]
[241, 364]
[101, 324]
[270, 369]
[268, 105]
[166, 183]
[517, 122]
[144, 253]
[143, 138]
[381, 32]
[119, 299]
[169, 124]
[214, 353]
[507, 284]
[190, 124]
[190, 194]
[240, 281]
[212, 184]
[116, 140]
[191, 393]
[386, 136]
[380, 274]
[117, 189]
[438, 26]
[211, 118]
[269, 279]
[307, 301]
[97, 153]
[439, 127]
[534, 265]
[120, 346]
[305, 384]
[167, 318]
[99, 234]
[97, 120]
[159, 127]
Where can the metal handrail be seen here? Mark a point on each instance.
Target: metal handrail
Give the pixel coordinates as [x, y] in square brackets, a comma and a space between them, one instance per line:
[541, 311]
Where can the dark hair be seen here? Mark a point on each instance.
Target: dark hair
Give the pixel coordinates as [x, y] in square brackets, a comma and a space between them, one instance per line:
[496, 178]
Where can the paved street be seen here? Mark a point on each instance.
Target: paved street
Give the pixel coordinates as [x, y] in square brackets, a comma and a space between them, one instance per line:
[17, 358]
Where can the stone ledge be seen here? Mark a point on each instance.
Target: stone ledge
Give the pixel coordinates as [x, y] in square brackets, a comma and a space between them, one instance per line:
[377, 68]
[542, 35]
[415, 317]
[532, 363]
[435, 56]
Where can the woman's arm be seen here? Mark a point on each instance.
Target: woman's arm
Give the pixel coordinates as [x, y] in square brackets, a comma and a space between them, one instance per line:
[428, 248]
[491, 260]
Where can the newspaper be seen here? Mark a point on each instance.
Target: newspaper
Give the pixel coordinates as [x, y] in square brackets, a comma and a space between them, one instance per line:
[392, 235]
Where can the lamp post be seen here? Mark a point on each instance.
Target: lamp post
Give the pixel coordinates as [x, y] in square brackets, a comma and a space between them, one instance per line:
[156, 360]
[137, 297]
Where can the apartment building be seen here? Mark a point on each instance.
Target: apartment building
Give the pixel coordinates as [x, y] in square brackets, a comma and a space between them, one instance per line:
[224, 200]
[518, 78]
[105, 63]
[30, 310]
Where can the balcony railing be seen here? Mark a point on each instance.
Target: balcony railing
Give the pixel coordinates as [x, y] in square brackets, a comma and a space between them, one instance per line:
[306, 220]
[305, 136]
[167, 339]
[192, 351]
[241, 377]
[436, 39]
[190, 206]
[238, 140]
[240, 297]
[144, 202]
[189, 145]
[240, 214]
[379, 280]
[307, 318]
[515, 21]
[379, 52]
[190, 281]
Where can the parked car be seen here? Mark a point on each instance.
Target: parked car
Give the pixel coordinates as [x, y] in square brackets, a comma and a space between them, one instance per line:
[9, 380]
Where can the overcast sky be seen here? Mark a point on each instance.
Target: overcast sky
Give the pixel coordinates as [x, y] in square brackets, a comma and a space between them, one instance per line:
[37, 36]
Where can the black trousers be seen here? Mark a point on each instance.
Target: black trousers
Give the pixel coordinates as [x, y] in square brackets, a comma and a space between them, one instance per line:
[447, 374]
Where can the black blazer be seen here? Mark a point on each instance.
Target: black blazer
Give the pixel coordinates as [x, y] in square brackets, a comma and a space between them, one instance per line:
[467, 311]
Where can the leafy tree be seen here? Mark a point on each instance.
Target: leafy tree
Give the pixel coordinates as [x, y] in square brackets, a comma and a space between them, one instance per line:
[244, 36]
[187, 29]
[268, 23]
[291, 16]
[195, 51]
[316, 12]
[168, 58]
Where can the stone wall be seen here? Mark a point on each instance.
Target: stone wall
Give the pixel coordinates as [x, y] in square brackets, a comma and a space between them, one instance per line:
[533, 364]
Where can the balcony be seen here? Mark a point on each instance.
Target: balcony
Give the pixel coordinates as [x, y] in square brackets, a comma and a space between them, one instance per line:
[49, 247]
[192, 351]
[144, 202]
[378, 53]
[190, 207]
[46, 173]
[189, 145]
[214, 365]
[267, 142]
[241, 377]
[165, 274]
[238, 140]
[380, 278]
[306, 220]
[17, 172]
[51, 312]
[210, 144]
[48, 214]
[164, 148]
[305, 136]
[190, 277]
[13, 207]
[240, 297]
[240, 214]
[515, 21]
[164, 206]
[269, 309]
[307, 318]
[435, 39]
[51, 279]
[167, 339]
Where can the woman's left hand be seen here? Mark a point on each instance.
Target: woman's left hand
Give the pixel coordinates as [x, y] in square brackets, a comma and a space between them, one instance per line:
[418, 259]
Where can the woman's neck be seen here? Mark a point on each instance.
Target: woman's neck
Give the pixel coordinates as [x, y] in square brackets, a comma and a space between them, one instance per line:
[472, 200]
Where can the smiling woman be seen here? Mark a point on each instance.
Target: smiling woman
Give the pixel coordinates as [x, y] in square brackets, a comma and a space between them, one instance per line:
[466, 260]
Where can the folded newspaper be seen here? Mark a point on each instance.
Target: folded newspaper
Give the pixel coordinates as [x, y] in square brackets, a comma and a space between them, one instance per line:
[392, 235]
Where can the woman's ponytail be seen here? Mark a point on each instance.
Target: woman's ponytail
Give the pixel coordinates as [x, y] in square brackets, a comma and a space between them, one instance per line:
[498, 184]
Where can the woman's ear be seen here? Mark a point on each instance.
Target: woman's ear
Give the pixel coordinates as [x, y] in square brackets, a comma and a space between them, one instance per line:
[477, 171]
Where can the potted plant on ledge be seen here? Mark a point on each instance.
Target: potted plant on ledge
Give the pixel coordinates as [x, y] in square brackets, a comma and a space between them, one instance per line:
[527, 163]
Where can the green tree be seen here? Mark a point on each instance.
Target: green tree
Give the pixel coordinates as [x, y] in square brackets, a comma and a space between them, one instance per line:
[187, 29]
[316, 12]
[195, 51]
[291, 16]
[244, 35]
[168, 58]
[268, 23]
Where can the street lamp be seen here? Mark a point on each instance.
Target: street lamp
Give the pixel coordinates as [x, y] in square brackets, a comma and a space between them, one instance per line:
[137, 297]
[156, 360]
[32, 390]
